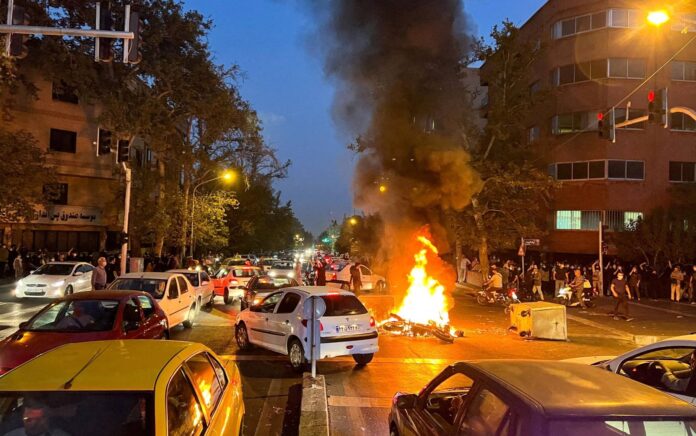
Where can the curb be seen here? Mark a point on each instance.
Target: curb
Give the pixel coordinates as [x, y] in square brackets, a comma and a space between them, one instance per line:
[314, 415]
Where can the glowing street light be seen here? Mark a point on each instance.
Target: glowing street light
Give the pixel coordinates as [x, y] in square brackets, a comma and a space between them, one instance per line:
[658, 18]
[227, 176]
[353, 221]
[382, 188]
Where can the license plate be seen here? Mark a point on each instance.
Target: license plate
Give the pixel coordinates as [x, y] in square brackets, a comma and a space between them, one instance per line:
[346, 328]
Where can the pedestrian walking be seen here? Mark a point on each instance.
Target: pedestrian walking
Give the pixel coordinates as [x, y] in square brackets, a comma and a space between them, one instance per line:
[464, 266]
[677, 277]
[546, 286]
[320, 273]
[620, 291]
[596, 274]
[634, 280]
[559, 277]
[536, 283]
[298, 273]
[99, 275]
[355, 278]
[18, 267]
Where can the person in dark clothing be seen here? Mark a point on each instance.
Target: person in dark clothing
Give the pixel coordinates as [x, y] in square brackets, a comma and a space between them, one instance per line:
[619, 288]
[11, 256]
[355, 278]
[111, 269]
[320, 273]
[634, 280]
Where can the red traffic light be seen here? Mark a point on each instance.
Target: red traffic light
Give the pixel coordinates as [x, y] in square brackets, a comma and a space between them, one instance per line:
[600, 116]
[651, 96]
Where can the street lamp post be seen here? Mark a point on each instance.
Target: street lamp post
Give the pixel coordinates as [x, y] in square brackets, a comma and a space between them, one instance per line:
[227, 176]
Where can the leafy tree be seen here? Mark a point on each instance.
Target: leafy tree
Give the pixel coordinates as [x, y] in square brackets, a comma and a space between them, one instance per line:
[360, 236]
[515, 190]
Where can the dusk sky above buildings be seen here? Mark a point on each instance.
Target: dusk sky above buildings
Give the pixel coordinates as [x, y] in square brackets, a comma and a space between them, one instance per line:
[285, 83]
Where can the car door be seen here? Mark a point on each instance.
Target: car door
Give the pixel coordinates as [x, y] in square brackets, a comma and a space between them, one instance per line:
[87, 270]
[487, 413]
[366, 277]
[78, 278]
[282, 322]
[132, 320]
[152, 326]
[188, 295]
[172, 304]
[206, 285]
[258, 328]
[208, 383]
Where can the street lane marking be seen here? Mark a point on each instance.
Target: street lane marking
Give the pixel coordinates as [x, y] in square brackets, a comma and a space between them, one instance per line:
[368, 402]
[402, 360]
[268, 413]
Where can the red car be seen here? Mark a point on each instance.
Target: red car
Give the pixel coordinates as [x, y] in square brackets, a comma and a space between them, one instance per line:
[230, 281]
[82, 317]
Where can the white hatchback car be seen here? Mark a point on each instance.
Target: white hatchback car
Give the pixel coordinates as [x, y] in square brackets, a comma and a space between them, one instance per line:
[56, 279]
[173, 293]
[647, 364]
[339, 272]
[277, 324]
[202, 285]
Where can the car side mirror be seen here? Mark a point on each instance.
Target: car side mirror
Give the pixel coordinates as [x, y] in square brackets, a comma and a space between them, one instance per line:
[23, 325]
[78, 273]
[406, 401]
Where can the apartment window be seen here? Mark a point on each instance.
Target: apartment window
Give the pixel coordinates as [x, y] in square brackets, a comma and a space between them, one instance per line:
[56, 193]
[564, 171]
[63, 92]
[533, 134]
[626, 170]
[626, 18]
[619, 220]
[682, 172]
[682, 122]
[581, 24]
[599, 169]
[569, 123]
[684, 70]
[625, 68]
[63, 141]
[577, 219]
[684, 23]
[620, 117]
[582, 72]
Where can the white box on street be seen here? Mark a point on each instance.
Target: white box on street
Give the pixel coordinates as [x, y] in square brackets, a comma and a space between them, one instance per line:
[539, 320]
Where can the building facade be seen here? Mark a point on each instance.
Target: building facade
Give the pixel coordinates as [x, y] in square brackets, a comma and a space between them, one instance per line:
[598, 55]
[85, 210]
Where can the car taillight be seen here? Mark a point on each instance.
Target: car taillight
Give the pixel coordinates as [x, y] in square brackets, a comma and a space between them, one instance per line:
[372, 322]
[321, 326]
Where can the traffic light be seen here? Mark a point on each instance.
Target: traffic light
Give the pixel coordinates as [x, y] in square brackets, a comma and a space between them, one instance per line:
[123, 151]
[105, 46]
[135, 44]
[658, 107]
[18, 43]
[605, 125]
[103, 142]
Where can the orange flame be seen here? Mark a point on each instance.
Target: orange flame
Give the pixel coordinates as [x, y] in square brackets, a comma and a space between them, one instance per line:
[425, 300]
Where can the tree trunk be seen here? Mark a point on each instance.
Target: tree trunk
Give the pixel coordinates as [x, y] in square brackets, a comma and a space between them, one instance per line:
[483, 238]
[185, 224]
[159, 233]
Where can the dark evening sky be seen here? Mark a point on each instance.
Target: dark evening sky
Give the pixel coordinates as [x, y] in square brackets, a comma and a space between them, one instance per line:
[285, 83]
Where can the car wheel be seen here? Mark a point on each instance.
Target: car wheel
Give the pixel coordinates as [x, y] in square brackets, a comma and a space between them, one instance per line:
[481, 299]
[296, 355]
[363, 359]
[242, 337]
[227, 296]
[211, 302]
[68, 290]
[188, 323]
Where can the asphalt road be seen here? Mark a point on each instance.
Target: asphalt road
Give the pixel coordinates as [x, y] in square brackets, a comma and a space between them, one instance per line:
[359, 398]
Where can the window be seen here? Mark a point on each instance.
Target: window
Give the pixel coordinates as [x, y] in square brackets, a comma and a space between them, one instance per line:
[630, 170]
[676, 358]
[184, 414]
[624, 68]
[682, 171]
[597, 169]
[635, 170]
[289, 303]
[205, 378]
[682, 122]
[620, 117]
[631, 217]
[569, 123]
[365, 271]
[342, 305]
[56, 193]
[205, 277]
[582, 72]
[617, 170]
[619, 220]
[183, 286]
[147, 305]
[564, 171]
[584, 23]
[487, 414]
[626, 18]
[64, 92]
[580, 170]
[533, 134]
[63, 141]
[446, 400]
[192, 278]
[173, 288]
[269, 303]
[684, 70]
[577, 219]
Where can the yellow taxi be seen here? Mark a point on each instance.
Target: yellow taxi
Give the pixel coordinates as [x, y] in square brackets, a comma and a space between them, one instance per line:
[131, 387]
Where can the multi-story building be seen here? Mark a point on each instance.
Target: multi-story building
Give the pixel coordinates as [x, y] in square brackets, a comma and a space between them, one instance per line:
[85, 211]
[599, 54]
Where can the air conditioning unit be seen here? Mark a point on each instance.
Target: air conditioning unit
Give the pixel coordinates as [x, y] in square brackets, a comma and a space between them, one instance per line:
[539, 320]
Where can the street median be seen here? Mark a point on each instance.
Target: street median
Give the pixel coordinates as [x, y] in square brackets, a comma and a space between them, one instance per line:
[314, 416]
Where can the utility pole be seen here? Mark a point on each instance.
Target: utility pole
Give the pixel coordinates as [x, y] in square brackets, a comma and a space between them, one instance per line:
[126, 212]
[601, 258]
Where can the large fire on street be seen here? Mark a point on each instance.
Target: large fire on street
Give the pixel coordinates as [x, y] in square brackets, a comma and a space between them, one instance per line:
[424, 310]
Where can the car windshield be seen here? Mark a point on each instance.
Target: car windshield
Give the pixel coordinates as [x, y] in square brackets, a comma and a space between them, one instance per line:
[618, 426]
[76, 316]
[271, 283]
[54, 269]
[341, 305]
[154, 287]
[192, 277]
[75, 413]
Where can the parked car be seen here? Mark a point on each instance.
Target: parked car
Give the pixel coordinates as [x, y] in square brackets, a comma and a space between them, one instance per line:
[260, 287]
[339, 273]
[87, 316]
[277, 324]
[537, 398]
[229, 282]
[648, 364]
[130, 387]
[172, 291]
[56, 279]
[202, 285]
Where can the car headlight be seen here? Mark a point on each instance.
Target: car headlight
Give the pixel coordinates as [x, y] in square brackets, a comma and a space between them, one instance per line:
[58, 284]
[291, 275]
[272, 274]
